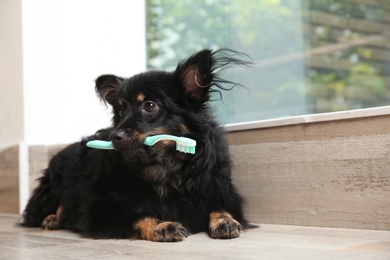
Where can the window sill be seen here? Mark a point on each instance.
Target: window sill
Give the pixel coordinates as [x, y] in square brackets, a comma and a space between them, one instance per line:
[348, 114]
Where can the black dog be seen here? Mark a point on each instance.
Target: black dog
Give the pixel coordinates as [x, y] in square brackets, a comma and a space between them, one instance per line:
[140, 192]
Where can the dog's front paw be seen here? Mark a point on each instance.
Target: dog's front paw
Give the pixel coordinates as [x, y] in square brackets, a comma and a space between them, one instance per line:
[51, 222]
[223, 225]
[155, 230]
[169, 232]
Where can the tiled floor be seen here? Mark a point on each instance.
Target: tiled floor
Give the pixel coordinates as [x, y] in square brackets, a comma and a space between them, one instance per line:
[265, 242]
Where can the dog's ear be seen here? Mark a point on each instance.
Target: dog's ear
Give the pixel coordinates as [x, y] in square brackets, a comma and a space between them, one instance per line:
[196, 74]
[107, 87]
[200, 72]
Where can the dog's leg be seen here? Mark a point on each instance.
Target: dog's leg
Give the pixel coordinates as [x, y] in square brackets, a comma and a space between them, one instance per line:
[153, 229]
[52, 222]
[223, 225]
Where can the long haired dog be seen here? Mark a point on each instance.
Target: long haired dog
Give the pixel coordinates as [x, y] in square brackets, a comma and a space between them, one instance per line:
[140, 192]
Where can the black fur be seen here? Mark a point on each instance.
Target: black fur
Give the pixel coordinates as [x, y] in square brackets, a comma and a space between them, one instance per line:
[105, 193]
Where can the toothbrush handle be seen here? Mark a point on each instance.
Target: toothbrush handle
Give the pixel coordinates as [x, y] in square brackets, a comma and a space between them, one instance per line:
[99, 144]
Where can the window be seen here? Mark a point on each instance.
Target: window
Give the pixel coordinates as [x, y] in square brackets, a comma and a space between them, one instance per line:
[311, 56]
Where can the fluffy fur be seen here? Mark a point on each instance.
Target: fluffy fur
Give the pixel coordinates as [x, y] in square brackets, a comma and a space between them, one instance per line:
[141, 192]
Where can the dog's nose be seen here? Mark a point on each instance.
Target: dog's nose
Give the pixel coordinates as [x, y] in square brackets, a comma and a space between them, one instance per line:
[117, 136]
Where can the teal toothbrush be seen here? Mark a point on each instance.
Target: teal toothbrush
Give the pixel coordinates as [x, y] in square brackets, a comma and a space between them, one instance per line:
[183, 144]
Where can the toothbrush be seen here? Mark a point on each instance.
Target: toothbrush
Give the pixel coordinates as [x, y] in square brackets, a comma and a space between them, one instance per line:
[183, 144]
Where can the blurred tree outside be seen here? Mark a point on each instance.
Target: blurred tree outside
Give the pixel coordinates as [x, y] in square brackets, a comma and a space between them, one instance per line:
[311, 56]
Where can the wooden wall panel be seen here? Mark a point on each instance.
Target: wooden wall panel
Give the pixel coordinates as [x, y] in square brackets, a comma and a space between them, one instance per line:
[333, 174]
[9, 181]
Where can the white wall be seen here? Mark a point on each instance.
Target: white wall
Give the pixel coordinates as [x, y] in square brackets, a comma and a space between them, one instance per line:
[51, 51]
[11, 89]
[66, 45]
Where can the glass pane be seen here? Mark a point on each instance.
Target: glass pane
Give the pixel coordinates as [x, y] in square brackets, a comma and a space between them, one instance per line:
[311, 56]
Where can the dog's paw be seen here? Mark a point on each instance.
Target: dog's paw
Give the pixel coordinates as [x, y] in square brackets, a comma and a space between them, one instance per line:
[169, 232]
[51, 222]
[223, 225]
[154, 230]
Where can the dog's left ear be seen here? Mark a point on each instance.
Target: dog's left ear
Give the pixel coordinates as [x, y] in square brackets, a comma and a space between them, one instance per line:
[200, 72]
[196, 74]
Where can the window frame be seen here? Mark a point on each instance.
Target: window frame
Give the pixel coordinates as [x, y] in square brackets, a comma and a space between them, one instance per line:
[309, 118]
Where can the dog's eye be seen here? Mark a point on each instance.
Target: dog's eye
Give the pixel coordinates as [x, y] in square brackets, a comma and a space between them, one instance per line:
[149, 107]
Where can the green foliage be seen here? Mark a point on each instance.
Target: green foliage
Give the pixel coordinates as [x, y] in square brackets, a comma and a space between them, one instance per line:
[296, 73]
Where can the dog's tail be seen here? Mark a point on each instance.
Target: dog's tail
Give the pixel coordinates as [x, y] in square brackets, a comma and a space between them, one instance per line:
[41, 204]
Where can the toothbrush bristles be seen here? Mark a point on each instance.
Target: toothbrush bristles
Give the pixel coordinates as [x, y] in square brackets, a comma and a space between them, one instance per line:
[185, 148]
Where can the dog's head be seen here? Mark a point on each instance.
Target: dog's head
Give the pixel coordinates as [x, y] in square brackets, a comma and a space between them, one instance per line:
[158, 102]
